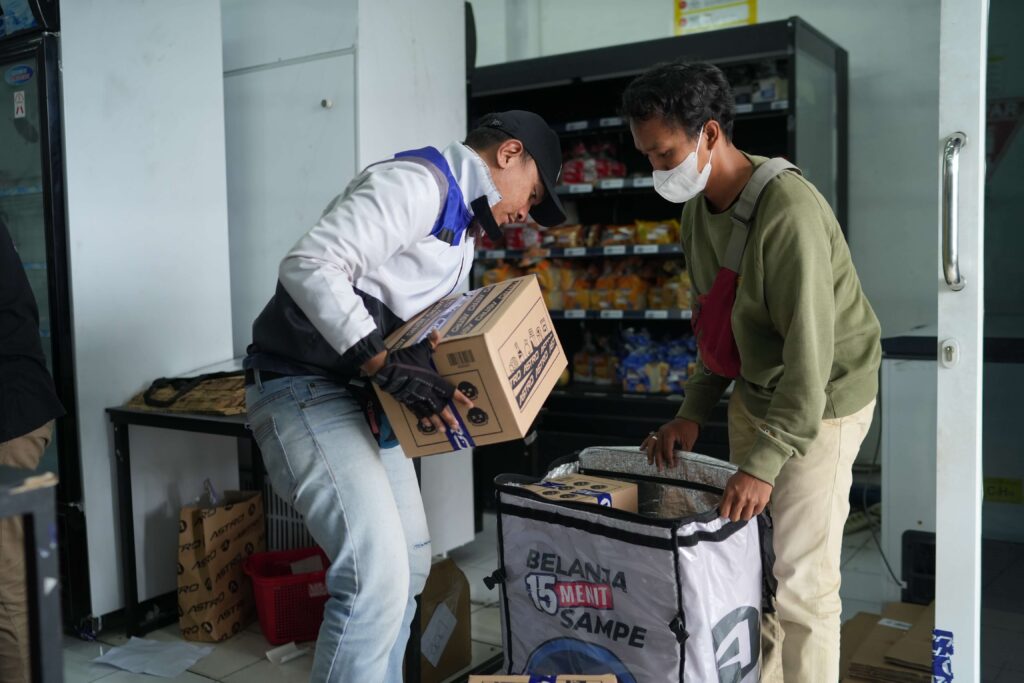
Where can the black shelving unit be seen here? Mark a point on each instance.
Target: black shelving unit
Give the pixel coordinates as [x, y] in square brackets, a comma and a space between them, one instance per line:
[579, 94]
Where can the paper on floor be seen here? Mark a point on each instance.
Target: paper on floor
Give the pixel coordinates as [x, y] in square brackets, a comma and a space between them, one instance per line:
[154, 657]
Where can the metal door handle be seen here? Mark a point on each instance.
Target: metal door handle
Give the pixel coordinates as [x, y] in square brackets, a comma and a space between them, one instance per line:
[950, 209]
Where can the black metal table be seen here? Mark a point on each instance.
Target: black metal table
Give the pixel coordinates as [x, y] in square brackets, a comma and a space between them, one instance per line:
[34, 500]
[141, 618]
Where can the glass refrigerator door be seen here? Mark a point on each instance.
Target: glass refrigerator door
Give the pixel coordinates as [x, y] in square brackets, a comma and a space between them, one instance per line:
[21, 191]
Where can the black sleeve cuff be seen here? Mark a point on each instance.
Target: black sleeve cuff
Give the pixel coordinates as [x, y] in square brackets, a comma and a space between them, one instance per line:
[363, 350]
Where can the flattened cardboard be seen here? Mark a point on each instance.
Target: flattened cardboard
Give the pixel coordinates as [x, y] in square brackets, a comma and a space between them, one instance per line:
[499, 347]
[578, 488]
[446, 587]
[869, 660]
[914, 649]
[852, 634]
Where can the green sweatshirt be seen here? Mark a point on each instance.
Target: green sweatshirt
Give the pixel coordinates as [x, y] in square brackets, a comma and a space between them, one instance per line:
[808, 339]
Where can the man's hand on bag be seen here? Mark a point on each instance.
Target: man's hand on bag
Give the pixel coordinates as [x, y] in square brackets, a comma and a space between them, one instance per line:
[661, 445]
[409, 376]
[745, 497]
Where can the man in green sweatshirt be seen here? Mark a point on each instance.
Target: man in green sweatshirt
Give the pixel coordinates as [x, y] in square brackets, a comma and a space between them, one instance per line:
[808, 351]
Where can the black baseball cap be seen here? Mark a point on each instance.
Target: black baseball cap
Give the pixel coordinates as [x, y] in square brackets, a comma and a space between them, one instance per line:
[543, 145]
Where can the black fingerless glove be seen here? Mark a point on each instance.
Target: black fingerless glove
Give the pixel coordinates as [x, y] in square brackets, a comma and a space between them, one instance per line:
[408, 375]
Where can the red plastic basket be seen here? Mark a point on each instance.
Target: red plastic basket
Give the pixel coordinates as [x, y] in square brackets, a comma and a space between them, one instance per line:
[290, 606]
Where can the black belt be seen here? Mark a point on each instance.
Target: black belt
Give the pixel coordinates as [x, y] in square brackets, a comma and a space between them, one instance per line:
[265, 376]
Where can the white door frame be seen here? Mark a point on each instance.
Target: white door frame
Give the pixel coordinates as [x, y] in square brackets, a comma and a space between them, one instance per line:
[963, 48]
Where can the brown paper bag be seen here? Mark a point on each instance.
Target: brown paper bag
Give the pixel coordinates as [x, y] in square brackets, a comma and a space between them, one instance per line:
[215, 598]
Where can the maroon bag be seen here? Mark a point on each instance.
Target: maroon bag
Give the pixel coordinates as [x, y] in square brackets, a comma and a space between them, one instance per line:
[712, 312]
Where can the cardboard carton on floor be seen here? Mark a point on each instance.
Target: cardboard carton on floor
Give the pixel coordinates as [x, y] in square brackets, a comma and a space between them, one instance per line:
[564, 678]
[914, 649]
[869, 660]
[499, 347]
[852, 634]
[583, 488]
[445, 632]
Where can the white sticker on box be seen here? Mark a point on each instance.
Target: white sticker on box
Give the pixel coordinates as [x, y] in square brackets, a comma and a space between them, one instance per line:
[437, 634]
[306, 565]
[893, 623]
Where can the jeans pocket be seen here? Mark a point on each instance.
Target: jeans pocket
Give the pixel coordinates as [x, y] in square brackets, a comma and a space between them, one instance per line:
[265, 398]
[275, 458]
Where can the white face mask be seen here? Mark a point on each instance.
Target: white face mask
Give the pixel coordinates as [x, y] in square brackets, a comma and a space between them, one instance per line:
[684, 182]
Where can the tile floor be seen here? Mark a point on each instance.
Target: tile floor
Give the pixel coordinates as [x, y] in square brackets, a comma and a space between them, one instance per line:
[242, 660]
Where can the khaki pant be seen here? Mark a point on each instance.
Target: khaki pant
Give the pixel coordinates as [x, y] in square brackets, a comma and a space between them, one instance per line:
[809, 506]
[23, 452]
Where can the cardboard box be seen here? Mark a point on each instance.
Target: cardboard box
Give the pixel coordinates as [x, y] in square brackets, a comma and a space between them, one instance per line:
[499, 347]
[564, 678]
[914, 649]
[581, 488]
[851, 635]
[446, 647]
[869, 660]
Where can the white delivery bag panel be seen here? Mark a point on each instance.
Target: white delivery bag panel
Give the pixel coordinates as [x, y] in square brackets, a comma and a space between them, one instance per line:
[672, 594]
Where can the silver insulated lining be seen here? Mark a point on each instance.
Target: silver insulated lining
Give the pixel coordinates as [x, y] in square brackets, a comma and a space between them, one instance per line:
[659, 500]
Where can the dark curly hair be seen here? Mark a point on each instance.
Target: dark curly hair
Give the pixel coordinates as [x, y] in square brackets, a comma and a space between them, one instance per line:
[686, 94]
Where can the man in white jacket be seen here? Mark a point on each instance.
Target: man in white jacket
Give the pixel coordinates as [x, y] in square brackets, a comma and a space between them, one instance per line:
[399, 238]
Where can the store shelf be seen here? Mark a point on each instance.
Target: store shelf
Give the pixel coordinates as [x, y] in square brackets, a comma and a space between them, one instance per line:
[610, 391]
[649, 314]
[610, 124]
[608, 185]
[581, 252]
[25, 191]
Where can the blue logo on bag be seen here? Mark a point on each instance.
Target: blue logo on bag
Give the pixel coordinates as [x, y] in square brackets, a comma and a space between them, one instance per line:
[17, 75]
[568, 655]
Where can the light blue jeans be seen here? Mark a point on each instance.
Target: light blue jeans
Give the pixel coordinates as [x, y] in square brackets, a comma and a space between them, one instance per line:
[362, 505]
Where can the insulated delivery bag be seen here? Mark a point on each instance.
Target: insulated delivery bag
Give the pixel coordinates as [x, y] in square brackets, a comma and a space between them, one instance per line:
[672, 593]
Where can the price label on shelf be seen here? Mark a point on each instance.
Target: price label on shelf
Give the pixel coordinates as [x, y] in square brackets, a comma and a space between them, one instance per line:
[580, 188]
[575, 314]
[645, 249]
[614, 251]
[780, 104]
[610, 121]
[494, 253]
[744, 108]
[612, 184]
[643, 182]
[656, 315]
[575, 251]
[611, 315]
[576, 125]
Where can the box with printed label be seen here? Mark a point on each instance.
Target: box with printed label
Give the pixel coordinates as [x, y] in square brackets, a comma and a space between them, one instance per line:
[499, 348]
[575, 488]
[564, 678]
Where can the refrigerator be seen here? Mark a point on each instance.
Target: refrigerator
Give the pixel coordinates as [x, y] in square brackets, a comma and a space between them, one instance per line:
[32, 205]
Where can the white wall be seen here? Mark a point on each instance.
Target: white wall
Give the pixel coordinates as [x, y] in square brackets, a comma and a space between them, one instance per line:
[394, 76]
[893, 49]
[147, 223]
[410, 71]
